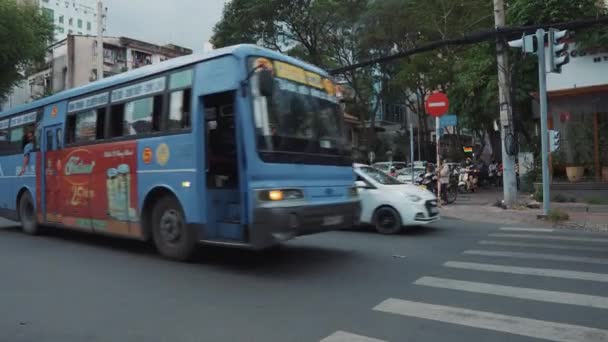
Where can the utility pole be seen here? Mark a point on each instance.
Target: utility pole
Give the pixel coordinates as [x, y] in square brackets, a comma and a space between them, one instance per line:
[412, 149]
[544, 135]
[506, 114]
[99, 60]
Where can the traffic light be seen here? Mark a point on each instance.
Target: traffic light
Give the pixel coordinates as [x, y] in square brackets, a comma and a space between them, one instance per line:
[558, 50]
[554, 140]
[528, 44]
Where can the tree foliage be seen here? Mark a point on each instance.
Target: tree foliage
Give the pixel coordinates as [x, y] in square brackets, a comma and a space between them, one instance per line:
[335, 33]
[24, 36]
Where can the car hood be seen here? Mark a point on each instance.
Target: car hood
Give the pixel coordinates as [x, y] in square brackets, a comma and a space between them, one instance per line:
[409, 189]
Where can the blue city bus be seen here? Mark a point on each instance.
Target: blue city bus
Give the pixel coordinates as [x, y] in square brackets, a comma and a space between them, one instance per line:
[241, 147]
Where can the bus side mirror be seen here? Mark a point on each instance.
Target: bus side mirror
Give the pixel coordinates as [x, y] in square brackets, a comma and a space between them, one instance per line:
[266, 82]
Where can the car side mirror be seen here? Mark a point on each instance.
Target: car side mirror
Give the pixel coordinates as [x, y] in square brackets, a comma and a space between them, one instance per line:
[265, 82]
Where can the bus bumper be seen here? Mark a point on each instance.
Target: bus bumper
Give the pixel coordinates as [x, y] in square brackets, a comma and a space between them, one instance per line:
[276, 224]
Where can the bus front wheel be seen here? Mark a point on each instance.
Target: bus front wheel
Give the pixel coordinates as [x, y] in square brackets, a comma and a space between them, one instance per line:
[27, 214]
[172, 236]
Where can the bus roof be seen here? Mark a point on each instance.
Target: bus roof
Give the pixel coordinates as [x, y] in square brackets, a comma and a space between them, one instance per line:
[238, 50]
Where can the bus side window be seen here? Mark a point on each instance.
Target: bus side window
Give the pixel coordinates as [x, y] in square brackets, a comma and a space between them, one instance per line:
[49, 140]
[70, 129]
[136, 117]
[5, 144]
[179, 109]
[117, 118]
[59, 137]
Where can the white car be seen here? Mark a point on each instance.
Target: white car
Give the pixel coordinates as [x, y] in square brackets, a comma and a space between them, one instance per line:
[390, 205]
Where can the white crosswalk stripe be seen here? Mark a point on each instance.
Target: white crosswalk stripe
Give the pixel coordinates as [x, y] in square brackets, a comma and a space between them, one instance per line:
[543, 230]
[342, 336]
[538, 256]
[527, 242]
[542, 272]
[549, 237]
[551, 331]
[516, 292]
[543, 245]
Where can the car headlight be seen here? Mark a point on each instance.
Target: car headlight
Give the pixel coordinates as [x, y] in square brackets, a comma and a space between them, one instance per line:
[353, 192]
[414, 198]
[280, 195]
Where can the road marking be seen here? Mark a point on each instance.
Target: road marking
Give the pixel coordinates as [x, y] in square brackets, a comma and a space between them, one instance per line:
[551, 331]
[516, 292]
[543, 230]
[543, 245]
[342, 336]
[549, 237]
[542, 272]
[539, 256]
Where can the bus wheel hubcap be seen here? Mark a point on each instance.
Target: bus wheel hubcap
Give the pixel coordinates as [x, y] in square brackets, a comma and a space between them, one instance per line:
[170, 226]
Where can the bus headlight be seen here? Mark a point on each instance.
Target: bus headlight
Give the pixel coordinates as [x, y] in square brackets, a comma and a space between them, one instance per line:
[280, 195]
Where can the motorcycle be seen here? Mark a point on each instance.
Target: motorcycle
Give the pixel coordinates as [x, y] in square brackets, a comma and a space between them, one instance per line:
[428, 181]
[467, 179]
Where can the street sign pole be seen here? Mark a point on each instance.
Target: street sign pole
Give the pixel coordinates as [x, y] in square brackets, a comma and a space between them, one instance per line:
[412, 149]
[437, 134]
[437, 105]
[544, 134]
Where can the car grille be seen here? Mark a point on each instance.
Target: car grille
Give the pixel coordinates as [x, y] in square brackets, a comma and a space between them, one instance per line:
[431, 208]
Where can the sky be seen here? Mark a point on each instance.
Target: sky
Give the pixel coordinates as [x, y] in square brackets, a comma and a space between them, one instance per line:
[187, 23]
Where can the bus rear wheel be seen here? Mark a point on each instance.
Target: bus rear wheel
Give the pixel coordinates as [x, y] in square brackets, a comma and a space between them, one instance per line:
[27, 214]
[172, 236]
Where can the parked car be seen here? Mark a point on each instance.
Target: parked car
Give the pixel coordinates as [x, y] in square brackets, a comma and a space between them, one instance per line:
[405, 175]
[386, 166]
[390, 205]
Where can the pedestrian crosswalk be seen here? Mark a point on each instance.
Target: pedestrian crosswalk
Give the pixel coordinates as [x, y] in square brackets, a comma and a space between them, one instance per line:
[560, 255]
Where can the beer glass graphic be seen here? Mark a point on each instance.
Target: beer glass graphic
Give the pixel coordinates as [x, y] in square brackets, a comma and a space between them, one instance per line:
[124, 190]
[111, 188]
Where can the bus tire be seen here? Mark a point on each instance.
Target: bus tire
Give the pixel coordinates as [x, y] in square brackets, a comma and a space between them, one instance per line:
[27, 214]
[173, 238]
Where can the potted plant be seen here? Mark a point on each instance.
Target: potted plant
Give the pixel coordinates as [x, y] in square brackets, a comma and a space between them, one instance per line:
[581, 146]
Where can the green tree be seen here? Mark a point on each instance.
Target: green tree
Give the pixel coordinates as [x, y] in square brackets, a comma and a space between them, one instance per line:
[24, 36]
[326, 33]
[397, 25]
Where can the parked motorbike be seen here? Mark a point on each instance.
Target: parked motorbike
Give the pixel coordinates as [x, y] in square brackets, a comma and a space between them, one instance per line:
[428, 181]
[468, 179]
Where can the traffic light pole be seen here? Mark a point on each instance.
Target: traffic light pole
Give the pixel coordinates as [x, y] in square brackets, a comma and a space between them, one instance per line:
[544, 135]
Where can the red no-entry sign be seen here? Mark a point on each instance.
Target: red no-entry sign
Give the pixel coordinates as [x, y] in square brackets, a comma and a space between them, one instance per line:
[437, 104]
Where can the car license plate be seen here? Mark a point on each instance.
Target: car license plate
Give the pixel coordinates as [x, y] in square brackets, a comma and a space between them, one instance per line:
[423, 187]
[332, 220]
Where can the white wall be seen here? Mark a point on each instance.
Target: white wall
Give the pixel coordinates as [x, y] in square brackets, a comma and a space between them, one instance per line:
[85, 10]
[582, 71]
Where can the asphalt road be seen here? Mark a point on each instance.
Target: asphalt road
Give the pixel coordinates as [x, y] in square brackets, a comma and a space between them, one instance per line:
[454, 281]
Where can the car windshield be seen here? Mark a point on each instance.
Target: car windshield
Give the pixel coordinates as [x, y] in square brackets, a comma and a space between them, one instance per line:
[379, 176]
[299, 119]
[385, 166]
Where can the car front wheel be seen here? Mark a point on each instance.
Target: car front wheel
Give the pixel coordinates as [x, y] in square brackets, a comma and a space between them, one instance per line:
[387, 221]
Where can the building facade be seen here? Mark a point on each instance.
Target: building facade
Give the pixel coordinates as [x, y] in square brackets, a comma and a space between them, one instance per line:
[578, 109]
[77, 17]
[71, 62]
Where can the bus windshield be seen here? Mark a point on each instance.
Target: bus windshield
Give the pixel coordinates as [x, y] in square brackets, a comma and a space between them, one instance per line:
[299, 119]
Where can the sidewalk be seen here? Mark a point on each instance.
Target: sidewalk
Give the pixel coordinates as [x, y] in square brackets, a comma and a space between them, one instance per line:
[480, 207]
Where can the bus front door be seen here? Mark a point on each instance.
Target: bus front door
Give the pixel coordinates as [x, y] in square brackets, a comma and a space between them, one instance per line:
[223, 195]
[51, 164]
